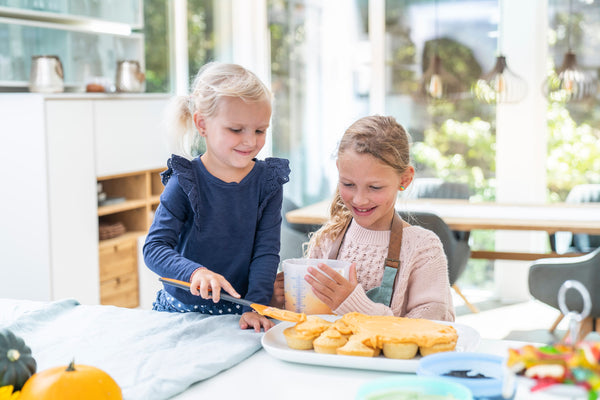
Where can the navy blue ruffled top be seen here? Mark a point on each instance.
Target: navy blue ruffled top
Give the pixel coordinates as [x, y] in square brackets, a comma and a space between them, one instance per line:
[230, 228]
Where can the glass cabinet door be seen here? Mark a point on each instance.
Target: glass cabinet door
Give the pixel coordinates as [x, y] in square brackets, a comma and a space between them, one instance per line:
[88, 36]
[85, 56]
[122, 11]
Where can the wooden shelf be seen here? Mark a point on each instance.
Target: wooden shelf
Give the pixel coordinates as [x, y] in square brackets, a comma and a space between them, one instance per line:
[118, 256]
[155, 200]
[127, 236]
[120, 207]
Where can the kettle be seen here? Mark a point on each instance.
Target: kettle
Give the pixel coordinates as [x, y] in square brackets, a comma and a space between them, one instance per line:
[130, 77]
[46, 75]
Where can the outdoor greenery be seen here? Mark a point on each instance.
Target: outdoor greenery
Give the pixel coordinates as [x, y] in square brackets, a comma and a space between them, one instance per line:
[156, 46]
[201, 34]
[456, 140]
[573, 153]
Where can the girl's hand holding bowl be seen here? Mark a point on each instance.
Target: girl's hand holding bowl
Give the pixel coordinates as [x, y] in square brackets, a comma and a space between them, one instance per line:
[329, 286]
[298, 292]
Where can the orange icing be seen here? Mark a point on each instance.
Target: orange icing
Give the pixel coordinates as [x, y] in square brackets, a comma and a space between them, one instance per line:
[313, 326]
[377, 329]
[283, 315]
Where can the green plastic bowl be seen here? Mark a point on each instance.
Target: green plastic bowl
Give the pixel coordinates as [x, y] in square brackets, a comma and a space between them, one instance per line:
[412, 387]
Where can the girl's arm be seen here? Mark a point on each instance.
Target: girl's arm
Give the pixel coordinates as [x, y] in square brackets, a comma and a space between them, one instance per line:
[428, 292]
[353, 297]
[265, 258]
[159, 249]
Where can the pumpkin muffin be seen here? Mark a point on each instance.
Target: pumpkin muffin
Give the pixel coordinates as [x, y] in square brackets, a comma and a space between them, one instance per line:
[355, 347]
[329, 341]
[401, 351]
[437, 348]
[342, 327]
[301, 335]
[298, 341]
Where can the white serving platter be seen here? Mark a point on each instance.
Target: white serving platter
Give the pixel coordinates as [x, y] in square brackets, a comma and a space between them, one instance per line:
[274, 343]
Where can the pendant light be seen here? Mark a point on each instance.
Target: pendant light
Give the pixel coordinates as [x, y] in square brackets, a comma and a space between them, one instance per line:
[570, 83]
[500, 85]
[437, 83]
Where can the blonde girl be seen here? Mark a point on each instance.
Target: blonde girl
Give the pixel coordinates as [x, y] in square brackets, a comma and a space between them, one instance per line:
[218, 222]
[398, 269]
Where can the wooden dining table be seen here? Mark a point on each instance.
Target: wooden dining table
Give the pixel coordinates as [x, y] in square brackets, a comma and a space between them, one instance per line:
[464, 215]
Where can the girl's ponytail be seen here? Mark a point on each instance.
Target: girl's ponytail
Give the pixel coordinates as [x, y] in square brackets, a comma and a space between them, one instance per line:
[180, 126]
[339, 217]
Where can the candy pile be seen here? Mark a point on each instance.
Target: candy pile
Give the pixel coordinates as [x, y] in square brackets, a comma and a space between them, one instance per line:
[559, 364]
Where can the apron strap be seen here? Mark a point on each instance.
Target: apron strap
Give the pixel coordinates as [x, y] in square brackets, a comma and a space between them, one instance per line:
[335, 248]
[393, 257]
[382, 294]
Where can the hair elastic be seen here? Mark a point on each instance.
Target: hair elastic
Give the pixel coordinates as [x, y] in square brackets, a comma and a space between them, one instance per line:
[402, 188]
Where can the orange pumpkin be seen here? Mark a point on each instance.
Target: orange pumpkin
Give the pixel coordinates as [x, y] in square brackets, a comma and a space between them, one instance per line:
[71, 383]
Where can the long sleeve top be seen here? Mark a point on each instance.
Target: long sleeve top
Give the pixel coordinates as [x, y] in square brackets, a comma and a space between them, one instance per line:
[230, 228]
[422, 288]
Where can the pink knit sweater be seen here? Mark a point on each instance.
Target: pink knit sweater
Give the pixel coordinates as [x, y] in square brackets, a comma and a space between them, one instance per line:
[422, 288]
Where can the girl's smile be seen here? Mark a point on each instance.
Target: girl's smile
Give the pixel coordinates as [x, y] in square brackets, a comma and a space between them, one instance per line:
[368, 188]
[234, 136]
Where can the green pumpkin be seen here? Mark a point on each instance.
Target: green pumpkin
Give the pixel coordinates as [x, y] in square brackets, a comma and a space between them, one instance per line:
[16, 362]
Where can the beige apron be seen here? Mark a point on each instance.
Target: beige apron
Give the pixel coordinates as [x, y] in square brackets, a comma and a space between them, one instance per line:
[382, 294]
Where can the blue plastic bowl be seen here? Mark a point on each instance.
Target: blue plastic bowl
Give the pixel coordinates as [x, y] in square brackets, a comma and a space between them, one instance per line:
[399, 387]
[476, 363]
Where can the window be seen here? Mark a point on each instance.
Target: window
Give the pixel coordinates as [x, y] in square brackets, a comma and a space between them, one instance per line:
[573, 134]
[322, 64]
[156, 31]
[315, 77]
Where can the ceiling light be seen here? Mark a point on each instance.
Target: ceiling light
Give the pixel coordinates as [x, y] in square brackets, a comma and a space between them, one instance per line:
[500, 85]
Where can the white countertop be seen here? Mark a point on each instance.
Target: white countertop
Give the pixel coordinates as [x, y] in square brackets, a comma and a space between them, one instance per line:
[264, 377]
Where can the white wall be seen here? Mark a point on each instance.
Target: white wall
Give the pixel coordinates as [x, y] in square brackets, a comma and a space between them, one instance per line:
[521, 138]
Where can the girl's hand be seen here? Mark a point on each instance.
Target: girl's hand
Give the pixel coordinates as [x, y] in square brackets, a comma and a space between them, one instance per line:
[204, 281]
[250, 320]
[332, 291]
[278, 299]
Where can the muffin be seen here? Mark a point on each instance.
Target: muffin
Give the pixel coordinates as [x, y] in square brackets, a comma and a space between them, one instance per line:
[437, 348]
[329, 341]
[313, 326]
[355, 347]
[342, 327]
[400, 351]
[297, 340]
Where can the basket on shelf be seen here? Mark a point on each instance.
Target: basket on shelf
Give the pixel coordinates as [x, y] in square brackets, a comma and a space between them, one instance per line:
[110, 230]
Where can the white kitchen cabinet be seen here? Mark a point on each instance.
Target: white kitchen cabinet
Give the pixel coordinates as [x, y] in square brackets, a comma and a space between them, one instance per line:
[133, 128]
[52, 150]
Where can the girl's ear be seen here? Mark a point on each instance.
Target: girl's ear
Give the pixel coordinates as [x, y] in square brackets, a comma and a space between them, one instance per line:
[407, 176]
[200, 123]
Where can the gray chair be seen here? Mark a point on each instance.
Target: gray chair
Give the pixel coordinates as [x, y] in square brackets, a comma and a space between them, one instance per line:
[548, 274]
[437, 188]
[457, 250]
[567, 242]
